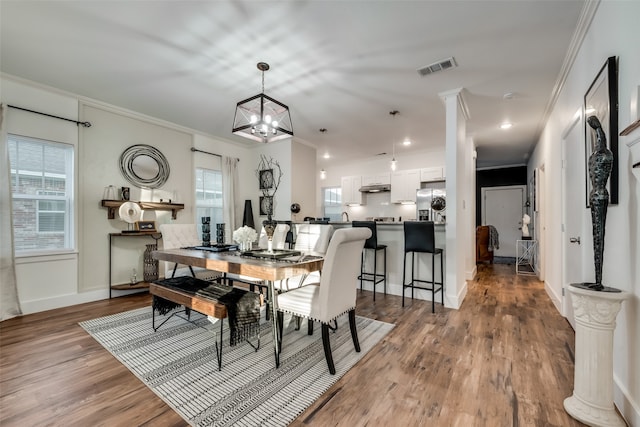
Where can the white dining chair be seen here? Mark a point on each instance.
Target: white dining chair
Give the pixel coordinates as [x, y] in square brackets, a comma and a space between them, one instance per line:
[279, 238]
[175, 236]
[311, 239]
[335, 295]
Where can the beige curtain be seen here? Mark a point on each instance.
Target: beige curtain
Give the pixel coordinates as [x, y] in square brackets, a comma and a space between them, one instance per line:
[229, 185]
[9, 302]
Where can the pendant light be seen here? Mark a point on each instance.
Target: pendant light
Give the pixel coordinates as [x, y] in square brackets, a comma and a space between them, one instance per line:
[262, 118]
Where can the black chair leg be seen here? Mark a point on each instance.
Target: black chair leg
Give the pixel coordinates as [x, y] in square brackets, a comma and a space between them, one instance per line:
[433, 283]
[280, 326]
[354, 331]
[309, 327]
[361, 269]
[385, 270]
[441, 280]
[327, 348]
[375, 271]
[404, 272]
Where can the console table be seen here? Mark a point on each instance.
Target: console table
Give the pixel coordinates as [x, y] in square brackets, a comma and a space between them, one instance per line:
[140, 284]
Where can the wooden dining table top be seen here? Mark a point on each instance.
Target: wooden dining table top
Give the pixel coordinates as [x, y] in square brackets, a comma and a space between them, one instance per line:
[234, 262]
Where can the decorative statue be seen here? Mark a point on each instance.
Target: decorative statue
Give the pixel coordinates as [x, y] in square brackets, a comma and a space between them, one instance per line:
[600, 164]
[526, 220]
[269, 175]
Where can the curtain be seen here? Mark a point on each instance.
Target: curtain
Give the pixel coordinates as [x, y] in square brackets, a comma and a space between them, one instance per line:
[9, 302]
[229, 185]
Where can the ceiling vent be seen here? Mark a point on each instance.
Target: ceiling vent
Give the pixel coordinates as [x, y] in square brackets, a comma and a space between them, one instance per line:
[441, 65]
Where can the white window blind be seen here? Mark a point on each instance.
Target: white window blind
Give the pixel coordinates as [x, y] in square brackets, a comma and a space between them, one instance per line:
[42, 194]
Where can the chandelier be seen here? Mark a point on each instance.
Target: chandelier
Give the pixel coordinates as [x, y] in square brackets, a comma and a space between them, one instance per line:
[262, 118]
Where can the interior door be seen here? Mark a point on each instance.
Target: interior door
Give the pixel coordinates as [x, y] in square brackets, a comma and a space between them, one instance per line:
[503, 207]
[572, 214]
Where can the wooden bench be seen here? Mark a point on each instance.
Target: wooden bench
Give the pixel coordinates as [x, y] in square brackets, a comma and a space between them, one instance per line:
[191, 301]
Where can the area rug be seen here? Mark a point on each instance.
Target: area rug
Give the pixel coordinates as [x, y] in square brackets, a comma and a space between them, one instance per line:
[504, 260]
[178, 362]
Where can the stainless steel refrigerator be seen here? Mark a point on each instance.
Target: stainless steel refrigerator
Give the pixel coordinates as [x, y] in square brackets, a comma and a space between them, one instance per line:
[431, 202]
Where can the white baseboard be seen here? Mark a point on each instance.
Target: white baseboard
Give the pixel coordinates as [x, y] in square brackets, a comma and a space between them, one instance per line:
[555, 298]
[629, 409]
[36, 306]
[471, 274]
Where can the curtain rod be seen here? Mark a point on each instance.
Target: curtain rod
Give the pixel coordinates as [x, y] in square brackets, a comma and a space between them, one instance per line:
[85, 124]
[206, 152]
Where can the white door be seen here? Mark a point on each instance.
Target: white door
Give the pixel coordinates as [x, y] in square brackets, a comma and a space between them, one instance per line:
[572, 213]
[503, 207]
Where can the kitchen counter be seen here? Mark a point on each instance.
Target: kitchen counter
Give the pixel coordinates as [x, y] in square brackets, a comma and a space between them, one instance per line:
[391, 233]
[383, 223]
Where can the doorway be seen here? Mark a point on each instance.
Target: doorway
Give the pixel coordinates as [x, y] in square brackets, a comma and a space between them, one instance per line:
[572, 206]
[503, 207]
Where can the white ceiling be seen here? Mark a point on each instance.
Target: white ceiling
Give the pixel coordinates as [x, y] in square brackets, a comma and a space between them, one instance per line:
[339, 65]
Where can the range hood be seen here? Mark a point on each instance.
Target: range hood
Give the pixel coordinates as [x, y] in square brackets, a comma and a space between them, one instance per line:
[375, 188]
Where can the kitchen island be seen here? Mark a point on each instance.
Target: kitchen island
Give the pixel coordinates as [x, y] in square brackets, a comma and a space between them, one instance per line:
[392, 235]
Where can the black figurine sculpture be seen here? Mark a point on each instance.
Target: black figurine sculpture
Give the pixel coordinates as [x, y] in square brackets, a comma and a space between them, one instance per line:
[600, 164]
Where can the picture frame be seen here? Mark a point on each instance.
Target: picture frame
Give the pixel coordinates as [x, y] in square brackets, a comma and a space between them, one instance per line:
[147, 226]
[266, 205]
[266, 179]
[601, 100]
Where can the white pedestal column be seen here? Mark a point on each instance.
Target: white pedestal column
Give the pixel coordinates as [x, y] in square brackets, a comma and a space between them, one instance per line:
[595, 314]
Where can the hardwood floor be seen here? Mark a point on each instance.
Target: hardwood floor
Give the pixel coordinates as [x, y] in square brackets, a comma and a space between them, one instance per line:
[504, 359]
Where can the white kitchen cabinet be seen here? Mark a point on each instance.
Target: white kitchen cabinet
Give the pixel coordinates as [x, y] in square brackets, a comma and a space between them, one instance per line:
[432, 174]
[404, 185]
[351, 194]
[381, 178]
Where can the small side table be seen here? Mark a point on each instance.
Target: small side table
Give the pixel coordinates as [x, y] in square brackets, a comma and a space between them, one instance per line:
[526, 252]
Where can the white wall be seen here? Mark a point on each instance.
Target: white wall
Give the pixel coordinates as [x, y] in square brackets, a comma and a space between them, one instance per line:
[614, 31]
[81, 275]
[303, 186]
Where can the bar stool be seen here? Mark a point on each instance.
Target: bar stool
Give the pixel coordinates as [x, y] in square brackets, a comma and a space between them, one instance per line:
[419, 237]
[372, 243]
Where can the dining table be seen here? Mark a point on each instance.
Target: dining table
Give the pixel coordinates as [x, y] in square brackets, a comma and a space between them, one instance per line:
[257, 265]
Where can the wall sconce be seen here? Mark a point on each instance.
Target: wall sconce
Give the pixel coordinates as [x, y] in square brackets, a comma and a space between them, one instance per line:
[323, 174]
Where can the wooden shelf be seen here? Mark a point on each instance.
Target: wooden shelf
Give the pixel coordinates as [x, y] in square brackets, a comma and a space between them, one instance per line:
[127, 286]
[153, 234]
[113, 205]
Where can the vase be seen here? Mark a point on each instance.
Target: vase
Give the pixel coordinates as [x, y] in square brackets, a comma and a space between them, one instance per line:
[269, 225]
[247, 218]
[150, 272]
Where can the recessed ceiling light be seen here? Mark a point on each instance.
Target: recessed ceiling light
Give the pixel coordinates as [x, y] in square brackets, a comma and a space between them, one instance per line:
[406, 142]
[326, 155]
[505, 125]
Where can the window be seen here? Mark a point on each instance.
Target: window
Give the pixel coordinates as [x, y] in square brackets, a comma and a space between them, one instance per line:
[332, 203]
[209, 197]
[42, 194]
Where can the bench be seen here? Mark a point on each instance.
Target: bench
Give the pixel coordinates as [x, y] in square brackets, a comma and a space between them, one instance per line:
[183, 291]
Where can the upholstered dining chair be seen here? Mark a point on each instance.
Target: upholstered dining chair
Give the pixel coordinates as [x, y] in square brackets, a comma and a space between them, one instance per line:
[311, 239]
[279, 237]
[335, 295]
[175, 236]
[279, 242]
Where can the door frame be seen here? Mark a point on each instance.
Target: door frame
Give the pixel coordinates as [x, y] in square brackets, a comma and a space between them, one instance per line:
[483, 191]
[566, 308]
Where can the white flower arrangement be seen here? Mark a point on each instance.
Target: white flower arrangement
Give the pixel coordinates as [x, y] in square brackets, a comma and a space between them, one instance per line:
[245, 235]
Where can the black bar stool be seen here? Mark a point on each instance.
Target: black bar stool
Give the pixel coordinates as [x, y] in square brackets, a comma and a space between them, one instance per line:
[419, 237]
[372, 243]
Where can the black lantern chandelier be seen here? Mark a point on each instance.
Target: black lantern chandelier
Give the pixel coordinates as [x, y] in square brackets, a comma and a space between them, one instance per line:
[262, 118]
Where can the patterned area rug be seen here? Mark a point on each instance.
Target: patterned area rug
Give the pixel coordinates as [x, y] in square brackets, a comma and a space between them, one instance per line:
[178, 362]
[504, 260]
